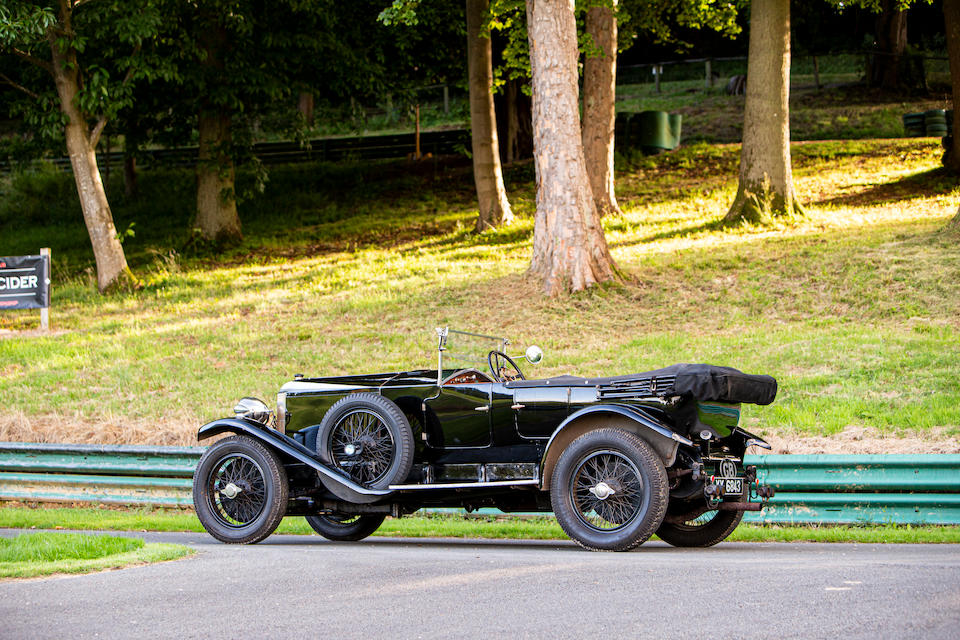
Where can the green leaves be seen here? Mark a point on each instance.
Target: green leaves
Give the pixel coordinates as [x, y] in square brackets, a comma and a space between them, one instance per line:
[400, 12]
[24, 23]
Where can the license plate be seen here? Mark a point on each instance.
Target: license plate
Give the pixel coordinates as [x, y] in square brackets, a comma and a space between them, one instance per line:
[733, 486]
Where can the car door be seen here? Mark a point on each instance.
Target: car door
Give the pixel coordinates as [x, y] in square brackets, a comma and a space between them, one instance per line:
[459, 415]
[539, 410]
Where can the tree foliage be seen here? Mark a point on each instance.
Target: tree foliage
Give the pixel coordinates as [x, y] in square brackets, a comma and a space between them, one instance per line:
[113, 41]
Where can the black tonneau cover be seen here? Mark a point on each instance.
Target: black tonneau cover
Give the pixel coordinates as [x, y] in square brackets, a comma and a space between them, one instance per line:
[702, 381]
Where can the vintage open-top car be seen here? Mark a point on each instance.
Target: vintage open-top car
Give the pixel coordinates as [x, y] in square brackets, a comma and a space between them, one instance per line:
[617, 459]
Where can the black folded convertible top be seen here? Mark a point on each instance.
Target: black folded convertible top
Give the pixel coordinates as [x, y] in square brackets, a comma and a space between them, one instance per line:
[702, 381]
[723, 384]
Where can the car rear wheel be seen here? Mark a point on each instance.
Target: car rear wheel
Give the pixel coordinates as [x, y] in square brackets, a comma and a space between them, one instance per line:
[240, 491]
[368, 438]
[609, 490]
[705, 530]
[345, 528]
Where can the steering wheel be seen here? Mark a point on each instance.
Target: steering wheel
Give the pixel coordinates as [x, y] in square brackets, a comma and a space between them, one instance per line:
[498, 361]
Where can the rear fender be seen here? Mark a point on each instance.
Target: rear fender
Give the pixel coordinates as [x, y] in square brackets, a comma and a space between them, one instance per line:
[338, 484]
[661, 438]
[740, 440]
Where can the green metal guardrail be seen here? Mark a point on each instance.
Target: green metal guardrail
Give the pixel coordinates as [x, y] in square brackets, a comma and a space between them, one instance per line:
[901, 489]
[117, 474]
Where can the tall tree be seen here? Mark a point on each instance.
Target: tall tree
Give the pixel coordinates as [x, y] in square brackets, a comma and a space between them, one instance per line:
[891, 42]
[217, 218]
[599, 105]
[569, 249]
[487, 174]
[766, 175]
[53, 36]
[951, 15]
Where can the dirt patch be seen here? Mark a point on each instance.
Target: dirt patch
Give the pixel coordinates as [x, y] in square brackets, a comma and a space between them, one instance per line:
[178, 430]
[860, 440]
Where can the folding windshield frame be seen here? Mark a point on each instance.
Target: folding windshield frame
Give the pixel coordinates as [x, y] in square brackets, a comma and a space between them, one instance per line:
[444, 332]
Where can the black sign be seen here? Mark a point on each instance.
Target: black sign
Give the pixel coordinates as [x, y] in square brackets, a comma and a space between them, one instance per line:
[25, 282]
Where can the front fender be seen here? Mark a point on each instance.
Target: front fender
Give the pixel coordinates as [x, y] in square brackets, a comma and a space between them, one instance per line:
[661, 438]
[339, 485]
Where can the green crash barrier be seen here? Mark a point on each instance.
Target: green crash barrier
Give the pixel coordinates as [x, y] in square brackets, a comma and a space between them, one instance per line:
[104, 459]
[860, 508]
[852, 489]
[58, 487]
[861, 473]
[811, 489]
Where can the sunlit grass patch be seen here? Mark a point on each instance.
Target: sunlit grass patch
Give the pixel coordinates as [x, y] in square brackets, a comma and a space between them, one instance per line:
[872, 534]
[44, 553]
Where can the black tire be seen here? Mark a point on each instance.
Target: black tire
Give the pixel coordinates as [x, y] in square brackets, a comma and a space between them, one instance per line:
[705, 531]
[345, 528]
[629, 515]
[253, 513]
[379, 430]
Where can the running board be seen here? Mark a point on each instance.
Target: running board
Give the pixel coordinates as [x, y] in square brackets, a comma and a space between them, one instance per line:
[464, 485]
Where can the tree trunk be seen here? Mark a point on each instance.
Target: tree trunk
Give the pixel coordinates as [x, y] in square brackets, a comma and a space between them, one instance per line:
[130, 147]
[599, 106]
[130, 175]
[766, 177]
[112, 269]
[487, 175]
[569, 249]
[891, 43]
[951, 14]
[217, 217]
[514, 122]
[305, 106]
[954, 225]
[509, 153]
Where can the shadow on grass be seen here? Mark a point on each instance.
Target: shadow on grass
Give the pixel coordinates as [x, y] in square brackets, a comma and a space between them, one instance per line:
[919, 185]
[713, 225]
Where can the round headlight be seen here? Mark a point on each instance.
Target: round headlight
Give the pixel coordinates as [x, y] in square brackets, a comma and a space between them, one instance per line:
[253, 409]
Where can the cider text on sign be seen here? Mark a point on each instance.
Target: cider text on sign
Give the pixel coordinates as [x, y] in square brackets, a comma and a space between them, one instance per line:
[18, 282]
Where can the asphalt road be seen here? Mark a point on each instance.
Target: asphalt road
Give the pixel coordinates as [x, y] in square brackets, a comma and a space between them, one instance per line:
[300, 587]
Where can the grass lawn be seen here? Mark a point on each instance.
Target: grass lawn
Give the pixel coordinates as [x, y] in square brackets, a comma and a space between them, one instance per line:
[45, 553]
[854, 308]
[451, 526]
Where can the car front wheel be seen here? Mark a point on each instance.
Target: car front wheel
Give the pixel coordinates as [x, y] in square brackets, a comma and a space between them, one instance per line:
[609, 490]
[240, 491]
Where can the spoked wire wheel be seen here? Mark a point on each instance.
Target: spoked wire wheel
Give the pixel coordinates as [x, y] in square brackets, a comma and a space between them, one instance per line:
[704, 530]
[694, 524]
[367, 437]
[343, 527]
[240, 490]
[237, 492]
[607, 491]
[362, 445]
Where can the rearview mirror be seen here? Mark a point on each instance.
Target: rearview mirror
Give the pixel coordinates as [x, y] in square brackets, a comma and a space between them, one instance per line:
[534, 354]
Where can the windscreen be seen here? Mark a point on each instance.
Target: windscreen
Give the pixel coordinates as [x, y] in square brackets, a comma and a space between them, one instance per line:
[462, 349]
